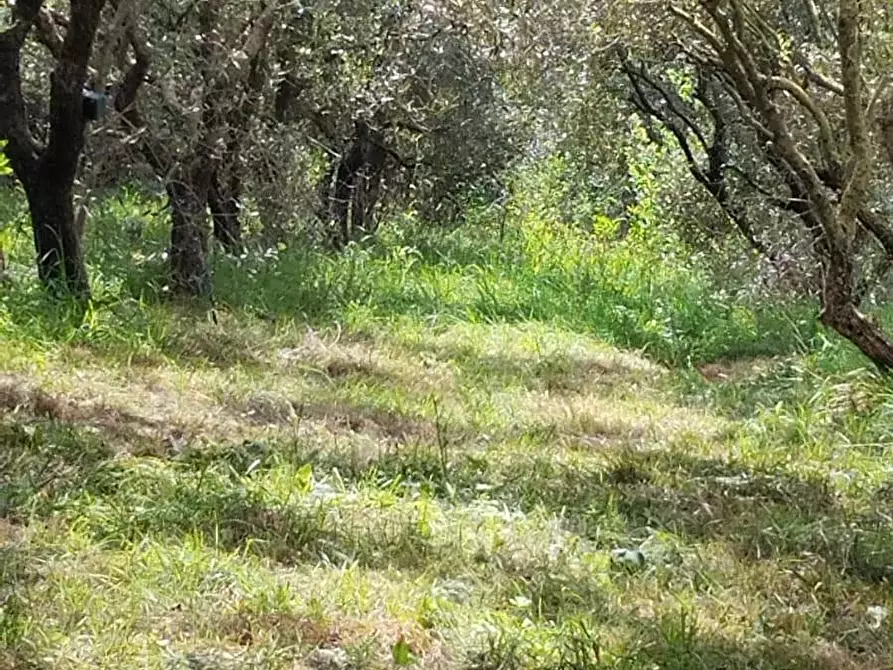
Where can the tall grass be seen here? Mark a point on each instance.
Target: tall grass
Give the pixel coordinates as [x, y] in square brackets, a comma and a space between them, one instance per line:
[521, 263]
[525, 263]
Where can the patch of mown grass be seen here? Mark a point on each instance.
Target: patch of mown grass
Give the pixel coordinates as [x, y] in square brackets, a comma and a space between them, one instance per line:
[435, 485]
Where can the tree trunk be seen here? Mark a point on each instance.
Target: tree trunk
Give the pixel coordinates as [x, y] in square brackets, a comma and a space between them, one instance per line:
[47, 170]
[225, 194]
[57, 235]
[352, 187]
[839, 312]
[190, 271]
[223, 199]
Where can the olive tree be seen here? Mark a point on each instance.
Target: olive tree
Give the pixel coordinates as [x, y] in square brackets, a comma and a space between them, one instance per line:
[185, 103]
[47, 168]
[405, 101]
[777, 104]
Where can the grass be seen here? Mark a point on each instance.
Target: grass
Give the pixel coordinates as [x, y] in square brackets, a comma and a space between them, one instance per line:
[432, 455]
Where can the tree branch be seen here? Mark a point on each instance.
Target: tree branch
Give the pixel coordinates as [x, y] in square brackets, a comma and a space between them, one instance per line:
[859, 168]
[21, 149]
[47, 32]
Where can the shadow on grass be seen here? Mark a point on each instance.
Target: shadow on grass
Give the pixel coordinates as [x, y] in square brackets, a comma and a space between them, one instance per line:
[17, 573]
[43, 462]
[55, 470]
[671, 642]
[52, 469]
[760, 513]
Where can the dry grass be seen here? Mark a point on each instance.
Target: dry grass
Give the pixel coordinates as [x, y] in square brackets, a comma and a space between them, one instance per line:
[316, 498]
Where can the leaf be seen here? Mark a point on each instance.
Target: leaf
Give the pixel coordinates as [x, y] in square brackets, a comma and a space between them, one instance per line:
[304, 478]
[4, 161]
[402, 654]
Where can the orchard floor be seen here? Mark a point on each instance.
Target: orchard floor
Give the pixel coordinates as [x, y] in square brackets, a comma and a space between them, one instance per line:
[440, 497]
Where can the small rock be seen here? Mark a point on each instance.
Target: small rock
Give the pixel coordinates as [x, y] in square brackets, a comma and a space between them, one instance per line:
[328, 659]
[632, 558]
[878, 614]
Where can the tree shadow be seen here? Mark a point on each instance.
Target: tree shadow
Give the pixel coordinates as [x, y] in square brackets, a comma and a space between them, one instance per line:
[760, 513]
[43, 461]
[671, 642]
[18, 572]
[51, 468]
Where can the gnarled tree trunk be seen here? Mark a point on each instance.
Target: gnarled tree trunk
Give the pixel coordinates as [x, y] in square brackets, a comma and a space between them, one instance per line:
[840, 312]
[47, 172]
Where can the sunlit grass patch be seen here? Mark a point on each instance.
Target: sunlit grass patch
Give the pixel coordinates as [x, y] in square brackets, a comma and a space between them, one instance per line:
[401, 454]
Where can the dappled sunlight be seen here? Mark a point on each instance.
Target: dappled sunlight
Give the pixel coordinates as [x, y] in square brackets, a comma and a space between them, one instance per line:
[446, 335]
[237, 490]
[337, 493]
[285, 389]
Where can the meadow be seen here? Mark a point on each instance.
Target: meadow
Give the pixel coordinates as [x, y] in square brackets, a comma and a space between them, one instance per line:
[482, 448]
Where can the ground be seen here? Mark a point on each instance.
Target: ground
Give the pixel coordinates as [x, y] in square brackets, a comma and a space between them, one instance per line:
[445, 496]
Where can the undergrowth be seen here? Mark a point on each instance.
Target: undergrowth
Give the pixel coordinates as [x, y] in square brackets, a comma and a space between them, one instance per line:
[644, 293]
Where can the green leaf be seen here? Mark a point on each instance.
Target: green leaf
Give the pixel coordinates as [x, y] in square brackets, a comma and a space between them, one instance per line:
[4, 161]
[304, 478]
[402, 654]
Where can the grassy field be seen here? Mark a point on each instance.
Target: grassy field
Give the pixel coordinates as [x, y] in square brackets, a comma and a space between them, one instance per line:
[467, 457]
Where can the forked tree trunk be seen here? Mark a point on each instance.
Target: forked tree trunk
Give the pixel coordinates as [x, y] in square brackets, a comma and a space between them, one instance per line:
[831, 209]
[190, 271]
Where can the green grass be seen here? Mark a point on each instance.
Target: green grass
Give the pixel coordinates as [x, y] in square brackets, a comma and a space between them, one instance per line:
[429, 451]
[646, 293]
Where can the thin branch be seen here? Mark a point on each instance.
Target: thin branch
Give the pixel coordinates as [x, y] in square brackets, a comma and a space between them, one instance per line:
[859, 169]
[826, 134]
[816, 77]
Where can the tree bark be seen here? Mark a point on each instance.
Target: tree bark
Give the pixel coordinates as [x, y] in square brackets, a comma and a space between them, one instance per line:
[190, 271]
[57, 237]
[840, 312]
[223, 199]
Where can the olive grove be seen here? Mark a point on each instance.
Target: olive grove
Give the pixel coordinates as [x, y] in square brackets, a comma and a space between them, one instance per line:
[323, 119]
